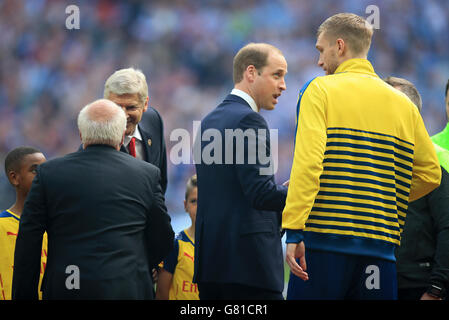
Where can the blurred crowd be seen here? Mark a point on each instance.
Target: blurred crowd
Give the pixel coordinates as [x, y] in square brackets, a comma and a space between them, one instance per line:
[185, 49]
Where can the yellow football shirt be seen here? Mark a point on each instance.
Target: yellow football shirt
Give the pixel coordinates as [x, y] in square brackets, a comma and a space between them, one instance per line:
[9, 228]
[180, 264]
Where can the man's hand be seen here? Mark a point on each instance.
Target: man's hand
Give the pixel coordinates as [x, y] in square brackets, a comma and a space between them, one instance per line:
[154, 274]
[427, 296]
[293, 251]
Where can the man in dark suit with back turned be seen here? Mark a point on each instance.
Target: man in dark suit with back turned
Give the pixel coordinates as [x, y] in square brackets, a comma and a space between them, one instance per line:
[238, 251]
[144, 128]
[101, 210]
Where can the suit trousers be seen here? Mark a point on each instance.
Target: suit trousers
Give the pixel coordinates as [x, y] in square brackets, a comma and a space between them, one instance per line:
[339, 276]
[234, 291]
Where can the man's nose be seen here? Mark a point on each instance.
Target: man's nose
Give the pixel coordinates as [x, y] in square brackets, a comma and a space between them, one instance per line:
[320, 63]
[282, 85]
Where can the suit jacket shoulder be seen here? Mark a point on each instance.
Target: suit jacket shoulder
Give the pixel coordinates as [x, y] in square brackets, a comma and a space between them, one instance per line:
[152, 121]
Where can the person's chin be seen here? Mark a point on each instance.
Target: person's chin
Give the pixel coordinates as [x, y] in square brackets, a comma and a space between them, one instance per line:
[269, 106]
[130, 129]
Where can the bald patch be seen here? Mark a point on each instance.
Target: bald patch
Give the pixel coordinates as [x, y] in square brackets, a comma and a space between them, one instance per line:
[255, 54]
[102, 110]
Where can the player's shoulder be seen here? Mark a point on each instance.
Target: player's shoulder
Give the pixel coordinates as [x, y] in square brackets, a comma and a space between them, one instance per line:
[8, 221]
[315, 83]
[400, 98]
[8, 215]
[181, 236]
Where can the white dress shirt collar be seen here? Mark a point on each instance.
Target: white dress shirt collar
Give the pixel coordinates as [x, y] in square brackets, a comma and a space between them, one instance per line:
[139, 143]
[136, 134]
[246, 97]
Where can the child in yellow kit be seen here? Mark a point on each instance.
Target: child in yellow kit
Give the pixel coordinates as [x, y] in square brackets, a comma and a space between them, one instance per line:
[20, 168]
[175, 277]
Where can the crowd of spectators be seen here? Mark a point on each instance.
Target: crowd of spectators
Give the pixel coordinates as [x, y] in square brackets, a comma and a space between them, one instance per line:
[185, 48]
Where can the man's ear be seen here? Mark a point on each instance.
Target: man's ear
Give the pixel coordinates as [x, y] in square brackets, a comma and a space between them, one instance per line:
[145, 106]
[81, 138]
[13, 178]
[250, 73]
[121, 142]
[341, 47]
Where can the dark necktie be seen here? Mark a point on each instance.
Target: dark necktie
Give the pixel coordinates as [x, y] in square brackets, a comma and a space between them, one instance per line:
[132, 147]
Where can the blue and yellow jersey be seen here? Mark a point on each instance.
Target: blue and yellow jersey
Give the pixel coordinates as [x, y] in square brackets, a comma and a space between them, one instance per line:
[362, 153]
[180, 263]
[9, 228]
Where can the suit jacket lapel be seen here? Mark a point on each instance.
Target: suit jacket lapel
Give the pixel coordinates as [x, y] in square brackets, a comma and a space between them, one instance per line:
[147, 145]
[123, 149]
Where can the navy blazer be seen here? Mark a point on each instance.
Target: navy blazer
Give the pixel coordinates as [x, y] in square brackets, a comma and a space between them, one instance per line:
[238, 222]
[104, 213]
[151, 128]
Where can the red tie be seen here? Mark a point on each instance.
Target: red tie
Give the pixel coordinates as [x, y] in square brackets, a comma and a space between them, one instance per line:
[132, 147]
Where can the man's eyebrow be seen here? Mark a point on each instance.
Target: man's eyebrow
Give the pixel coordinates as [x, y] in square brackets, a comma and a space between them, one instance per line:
[280, 70]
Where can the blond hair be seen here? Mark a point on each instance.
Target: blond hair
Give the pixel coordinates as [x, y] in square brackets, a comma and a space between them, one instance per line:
[353, 29]
[191, 184]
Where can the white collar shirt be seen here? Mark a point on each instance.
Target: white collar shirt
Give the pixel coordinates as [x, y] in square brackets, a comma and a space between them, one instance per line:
[246, 97]
[139, 145]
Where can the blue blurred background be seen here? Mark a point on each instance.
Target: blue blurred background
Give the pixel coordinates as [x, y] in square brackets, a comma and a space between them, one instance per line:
[185, 48]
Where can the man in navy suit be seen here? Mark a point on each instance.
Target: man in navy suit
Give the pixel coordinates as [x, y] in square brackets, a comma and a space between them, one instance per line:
[238, 251]
[144, 137]
[104, 214]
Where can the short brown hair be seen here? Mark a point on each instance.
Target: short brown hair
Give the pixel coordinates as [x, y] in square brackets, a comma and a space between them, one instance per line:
[407, 88]
[353, 29]
[255, 54]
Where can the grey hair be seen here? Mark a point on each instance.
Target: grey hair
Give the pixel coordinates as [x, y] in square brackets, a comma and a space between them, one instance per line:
[102, 122]
[127, 81]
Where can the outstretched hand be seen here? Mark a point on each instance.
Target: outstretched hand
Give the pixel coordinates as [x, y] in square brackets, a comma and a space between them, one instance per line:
[293, 251]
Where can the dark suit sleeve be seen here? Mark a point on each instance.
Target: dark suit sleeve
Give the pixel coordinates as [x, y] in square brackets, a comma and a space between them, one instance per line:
[163, 164]
[258, 186]
[439, 208]
[155, 125]
[27, 256]
[160, 233]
